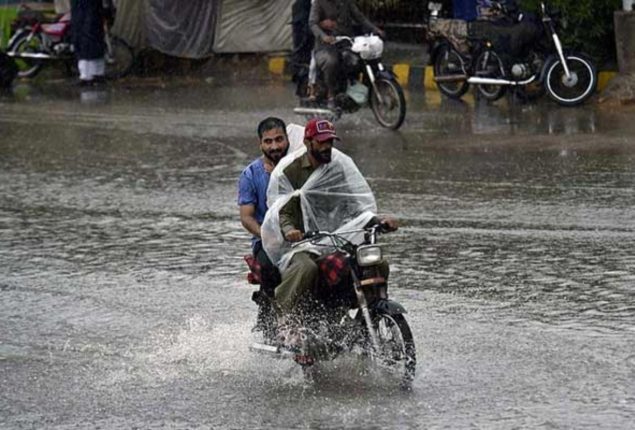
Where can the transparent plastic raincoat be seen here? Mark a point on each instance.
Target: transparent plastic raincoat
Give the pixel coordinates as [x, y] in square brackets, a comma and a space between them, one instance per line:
[335, 198]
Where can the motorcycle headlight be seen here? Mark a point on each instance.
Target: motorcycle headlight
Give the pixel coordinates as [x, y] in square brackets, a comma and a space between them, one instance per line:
[367, 255]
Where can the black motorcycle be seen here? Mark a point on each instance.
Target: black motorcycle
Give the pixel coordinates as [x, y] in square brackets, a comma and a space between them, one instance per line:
[354, 316]
[568, 77]
[366, 82]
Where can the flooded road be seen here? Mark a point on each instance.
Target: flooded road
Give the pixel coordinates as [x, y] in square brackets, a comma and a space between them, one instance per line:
[124, 301]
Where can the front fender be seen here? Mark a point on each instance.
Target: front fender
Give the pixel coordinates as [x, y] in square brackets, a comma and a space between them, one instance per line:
[386, 74]
[547, 64]
[390, 307]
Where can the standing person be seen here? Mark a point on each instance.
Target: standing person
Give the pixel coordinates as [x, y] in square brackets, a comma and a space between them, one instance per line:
[320, 189]
[330, 18]
[252, 201]
[302, 44]
[87, 24]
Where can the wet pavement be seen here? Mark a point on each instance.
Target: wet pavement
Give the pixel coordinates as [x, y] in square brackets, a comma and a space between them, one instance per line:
[124, 301]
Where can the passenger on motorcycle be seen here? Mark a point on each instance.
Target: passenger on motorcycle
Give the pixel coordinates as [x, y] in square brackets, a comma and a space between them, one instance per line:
[330, 18]
[252, 197]
[316, 189]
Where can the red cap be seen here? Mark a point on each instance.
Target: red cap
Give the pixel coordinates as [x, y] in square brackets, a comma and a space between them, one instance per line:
[320, 130]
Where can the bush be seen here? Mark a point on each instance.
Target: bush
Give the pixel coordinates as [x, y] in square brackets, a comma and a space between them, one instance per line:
[589, 25]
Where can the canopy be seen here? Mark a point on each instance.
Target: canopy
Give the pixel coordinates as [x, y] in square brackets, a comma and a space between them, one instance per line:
[201, 28]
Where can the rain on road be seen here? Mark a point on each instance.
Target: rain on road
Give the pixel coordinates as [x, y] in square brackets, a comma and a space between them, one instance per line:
[124, 302]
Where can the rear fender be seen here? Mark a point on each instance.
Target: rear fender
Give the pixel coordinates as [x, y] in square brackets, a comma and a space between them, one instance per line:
[17, 35]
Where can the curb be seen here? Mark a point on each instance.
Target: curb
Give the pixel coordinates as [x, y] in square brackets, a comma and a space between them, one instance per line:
[412, 76]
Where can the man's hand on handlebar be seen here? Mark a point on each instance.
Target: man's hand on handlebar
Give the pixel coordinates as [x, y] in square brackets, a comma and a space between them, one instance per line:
[328, 24]
[388, 224]
[328, 39]
[294, 235]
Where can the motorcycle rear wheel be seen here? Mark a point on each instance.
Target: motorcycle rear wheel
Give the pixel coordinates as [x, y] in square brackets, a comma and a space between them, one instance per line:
[388, 103]
[490, 65]
[575, 90]
[447, 63]
[28, 68]
[396, 352]
[119, 58]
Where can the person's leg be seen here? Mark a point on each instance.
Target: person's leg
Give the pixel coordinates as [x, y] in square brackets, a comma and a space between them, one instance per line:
[327, 60]
[84, 72]
[269, 274]
[99, 69]
[269, 279]
[297, 282]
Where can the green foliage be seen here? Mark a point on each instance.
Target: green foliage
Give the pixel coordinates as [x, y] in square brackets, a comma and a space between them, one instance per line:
[589, 25]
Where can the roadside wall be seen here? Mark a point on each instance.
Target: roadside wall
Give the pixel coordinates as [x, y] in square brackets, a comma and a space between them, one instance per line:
[625, 40]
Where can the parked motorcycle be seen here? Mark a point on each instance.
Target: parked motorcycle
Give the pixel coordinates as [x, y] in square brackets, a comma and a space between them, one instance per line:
[568, 77]
[454, 52]
[36, 42]
[356, 316]
[368, 83]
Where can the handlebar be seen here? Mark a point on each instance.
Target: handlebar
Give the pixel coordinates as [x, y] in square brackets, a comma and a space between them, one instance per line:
[314, 236]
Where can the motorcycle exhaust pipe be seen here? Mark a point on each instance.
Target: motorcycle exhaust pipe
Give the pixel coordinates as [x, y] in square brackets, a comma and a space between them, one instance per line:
[271, 350]
[312, 111]
[492, 81]
[30, 55]
[450, 78]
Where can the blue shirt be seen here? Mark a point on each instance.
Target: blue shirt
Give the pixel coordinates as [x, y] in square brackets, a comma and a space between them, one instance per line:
[252, 190]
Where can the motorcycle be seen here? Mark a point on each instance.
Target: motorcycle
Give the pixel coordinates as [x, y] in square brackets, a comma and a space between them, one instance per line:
[36, 42]
[568, 77]
[356, 316]
[454, 51]
[368, 83]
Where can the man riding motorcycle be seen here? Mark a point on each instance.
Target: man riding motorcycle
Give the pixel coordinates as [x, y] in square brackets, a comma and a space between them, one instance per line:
[317, 189]
[327, 19]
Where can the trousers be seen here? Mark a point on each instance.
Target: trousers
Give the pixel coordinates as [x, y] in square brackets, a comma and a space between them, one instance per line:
[299, 281]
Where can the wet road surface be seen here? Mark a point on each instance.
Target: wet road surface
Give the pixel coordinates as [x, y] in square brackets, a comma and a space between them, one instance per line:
[124, 303]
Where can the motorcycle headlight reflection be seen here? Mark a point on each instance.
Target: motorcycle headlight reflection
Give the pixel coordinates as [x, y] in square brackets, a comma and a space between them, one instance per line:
[367, 255]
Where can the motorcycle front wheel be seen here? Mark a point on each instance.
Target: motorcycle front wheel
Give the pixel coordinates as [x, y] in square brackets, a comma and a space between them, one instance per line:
[119, 58]
[28, 68]
[396, 348]
[449, 63]
[388, 103]
[575, 89]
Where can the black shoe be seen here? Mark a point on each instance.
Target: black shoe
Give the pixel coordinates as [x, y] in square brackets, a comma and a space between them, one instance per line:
[85, 83]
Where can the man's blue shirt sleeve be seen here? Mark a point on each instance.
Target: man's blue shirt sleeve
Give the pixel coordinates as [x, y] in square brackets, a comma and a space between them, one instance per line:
[246, 190]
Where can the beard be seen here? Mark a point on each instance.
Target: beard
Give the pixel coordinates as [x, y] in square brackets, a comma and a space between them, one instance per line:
[275, 155]
[324, 156]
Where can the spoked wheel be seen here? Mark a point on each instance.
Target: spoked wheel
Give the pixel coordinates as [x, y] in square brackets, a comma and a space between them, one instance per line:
[28, 67]
[396, 352]
[449, 63]
[388, 103]
[490, 65]
[575, 89]
[119, 58]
